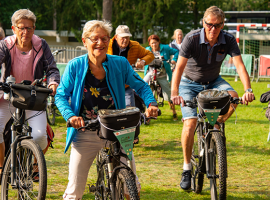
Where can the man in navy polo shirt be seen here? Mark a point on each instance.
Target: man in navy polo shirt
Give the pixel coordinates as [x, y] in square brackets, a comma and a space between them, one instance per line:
[198, 66]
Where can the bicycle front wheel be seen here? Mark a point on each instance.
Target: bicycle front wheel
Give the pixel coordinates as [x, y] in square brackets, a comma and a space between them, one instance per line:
[30, 173]
[50, 113]
[125, 184]
[218, 167]
[197, 161]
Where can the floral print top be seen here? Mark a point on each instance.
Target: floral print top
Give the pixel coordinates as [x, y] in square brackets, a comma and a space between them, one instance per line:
[96, 96]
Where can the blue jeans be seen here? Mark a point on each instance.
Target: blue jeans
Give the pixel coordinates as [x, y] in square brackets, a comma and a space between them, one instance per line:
[189, 89]
[130, 99]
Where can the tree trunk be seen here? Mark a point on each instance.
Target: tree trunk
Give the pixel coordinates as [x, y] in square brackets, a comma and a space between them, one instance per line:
[107, 10]
[145, 34]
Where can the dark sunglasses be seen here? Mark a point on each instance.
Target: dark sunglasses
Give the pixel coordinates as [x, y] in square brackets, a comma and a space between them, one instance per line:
[210, 26]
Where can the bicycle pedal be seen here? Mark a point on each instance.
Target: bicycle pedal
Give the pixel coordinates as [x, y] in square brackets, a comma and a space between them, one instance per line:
[92, 188]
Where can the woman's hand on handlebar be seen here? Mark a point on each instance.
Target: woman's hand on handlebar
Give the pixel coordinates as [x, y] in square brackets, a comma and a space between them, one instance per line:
[177, 100]
[53, 87]
[248, 97]
[152, 111]
[76, 122]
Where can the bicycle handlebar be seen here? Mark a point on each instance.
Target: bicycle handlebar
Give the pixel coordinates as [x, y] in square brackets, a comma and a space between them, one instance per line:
[93, 124]
[194, 104]
[56, 52]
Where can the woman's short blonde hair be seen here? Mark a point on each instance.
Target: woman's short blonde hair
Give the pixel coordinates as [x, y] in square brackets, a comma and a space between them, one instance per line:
[175, 31]
[2, 33]
[90, 26]
[23, 14]
[214, 10]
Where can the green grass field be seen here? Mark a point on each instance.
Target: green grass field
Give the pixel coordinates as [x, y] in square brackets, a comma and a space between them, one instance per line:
[159, 158]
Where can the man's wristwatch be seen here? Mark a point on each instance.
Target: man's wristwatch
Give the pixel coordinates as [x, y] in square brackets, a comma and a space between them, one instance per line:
[143, 61]
[249, 90]
[153, 104]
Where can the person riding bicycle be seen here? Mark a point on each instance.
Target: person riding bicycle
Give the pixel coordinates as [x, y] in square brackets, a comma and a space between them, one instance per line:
[94, 81]
[165, 51]
[121, 45]
[198, 67]
[26, 57]
[177, 39]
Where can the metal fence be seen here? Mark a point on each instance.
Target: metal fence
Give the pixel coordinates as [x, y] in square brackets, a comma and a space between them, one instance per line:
[69, 53]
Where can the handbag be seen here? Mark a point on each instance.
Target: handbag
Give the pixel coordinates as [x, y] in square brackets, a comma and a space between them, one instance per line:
[29, 97]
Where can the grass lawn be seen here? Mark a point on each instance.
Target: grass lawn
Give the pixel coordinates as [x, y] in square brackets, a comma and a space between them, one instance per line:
[159, 158]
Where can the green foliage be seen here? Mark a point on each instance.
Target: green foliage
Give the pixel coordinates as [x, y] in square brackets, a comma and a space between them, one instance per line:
[144, 17]
[41, 8]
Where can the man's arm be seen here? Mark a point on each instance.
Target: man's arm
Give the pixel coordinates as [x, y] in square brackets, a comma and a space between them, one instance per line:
[179, 69]
[145, 55]
[241, 70]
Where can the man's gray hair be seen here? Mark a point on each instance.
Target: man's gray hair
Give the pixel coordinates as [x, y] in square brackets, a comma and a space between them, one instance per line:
[2, 33]
[214, 10]
[90, 26]
[23, 14]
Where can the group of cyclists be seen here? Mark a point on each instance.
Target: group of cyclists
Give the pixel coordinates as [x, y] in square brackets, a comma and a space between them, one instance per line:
[104, 79]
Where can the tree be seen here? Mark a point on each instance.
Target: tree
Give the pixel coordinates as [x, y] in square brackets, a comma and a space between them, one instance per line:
[107, 10]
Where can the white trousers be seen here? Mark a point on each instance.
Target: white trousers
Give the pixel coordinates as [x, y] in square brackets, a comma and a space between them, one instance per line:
[83, 152]
[37, 123]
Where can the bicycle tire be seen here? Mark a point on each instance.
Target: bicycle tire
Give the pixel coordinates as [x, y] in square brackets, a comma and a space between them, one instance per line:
[197, 161]
[50, 113]
[126, 178]
[24, 175]
[218, 168]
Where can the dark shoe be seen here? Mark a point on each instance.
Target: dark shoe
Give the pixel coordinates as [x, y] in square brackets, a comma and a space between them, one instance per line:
[175, 118]
[185, 183]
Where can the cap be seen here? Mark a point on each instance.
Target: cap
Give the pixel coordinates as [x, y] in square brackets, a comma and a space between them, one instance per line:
[123, 31]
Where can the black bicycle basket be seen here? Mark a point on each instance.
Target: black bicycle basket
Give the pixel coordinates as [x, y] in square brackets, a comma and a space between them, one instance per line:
[214, 99]
[115, 120]
[29, 97]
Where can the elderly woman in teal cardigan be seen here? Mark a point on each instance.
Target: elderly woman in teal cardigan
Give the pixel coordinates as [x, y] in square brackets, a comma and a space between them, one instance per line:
[164, 51]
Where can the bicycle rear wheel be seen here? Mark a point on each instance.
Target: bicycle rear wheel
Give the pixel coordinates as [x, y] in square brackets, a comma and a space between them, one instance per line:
[28, 184]
[125, 180]
[218, 167]
[197, 161]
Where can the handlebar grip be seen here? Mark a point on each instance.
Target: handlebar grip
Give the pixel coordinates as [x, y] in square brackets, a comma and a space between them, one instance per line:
[159, 112]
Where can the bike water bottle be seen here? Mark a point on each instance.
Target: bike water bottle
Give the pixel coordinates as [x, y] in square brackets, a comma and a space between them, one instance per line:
[10, 80]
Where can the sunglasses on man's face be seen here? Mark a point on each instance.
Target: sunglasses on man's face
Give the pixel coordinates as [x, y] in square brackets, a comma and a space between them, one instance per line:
[210, 26]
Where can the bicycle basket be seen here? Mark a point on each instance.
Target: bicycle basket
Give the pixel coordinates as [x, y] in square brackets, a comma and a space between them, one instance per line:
[114, 120]
[29, 97]
[214, 99]
[157, 63]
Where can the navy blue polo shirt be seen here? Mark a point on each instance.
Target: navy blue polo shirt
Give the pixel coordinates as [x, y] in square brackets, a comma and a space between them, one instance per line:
[204, 62]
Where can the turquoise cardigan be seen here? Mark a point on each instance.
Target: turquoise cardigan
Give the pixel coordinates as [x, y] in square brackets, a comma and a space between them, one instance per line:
[118, 73]
[166, 51]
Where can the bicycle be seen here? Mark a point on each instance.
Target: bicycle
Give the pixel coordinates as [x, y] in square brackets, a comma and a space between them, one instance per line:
[209, 148]
[113, 174]
[157, 65]
[24, 161]
[51, 109]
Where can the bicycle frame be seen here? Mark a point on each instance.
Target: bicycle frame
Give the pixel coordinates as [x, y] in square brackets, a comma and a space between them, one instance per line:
[207, 130]
[111, 163]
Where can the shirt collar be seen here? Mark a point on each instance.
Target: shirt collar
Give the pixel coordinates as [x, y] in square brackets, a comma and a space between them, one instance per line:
[221, 38]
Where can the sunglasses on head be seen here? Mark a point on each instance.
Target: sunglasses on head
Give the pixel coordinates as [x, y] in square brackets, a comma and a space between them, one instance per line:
[210, 26]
